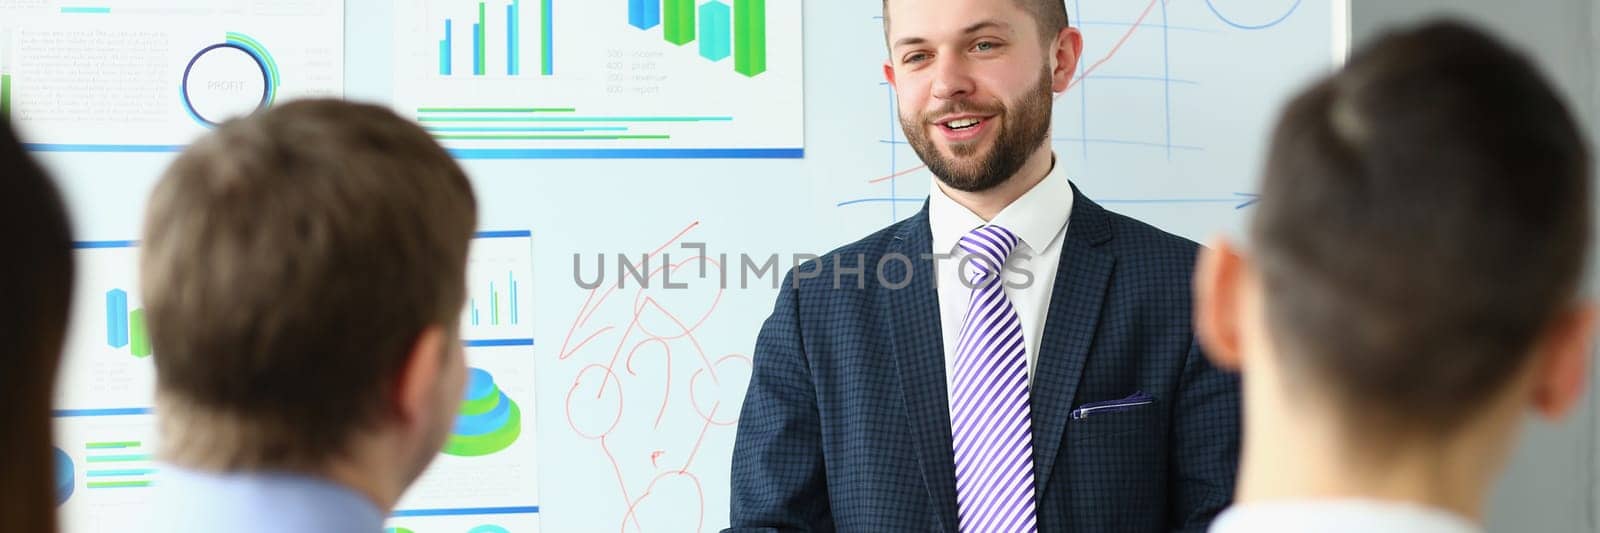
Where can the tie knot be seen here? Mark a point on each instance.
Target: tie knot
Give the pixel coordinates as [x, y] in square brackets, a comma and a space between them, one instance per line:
[989, 246]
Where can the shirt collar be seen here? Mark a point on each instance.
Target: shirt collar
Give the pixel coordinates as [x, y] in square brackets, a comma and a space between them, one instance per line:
[260, 501]
[1039, 217]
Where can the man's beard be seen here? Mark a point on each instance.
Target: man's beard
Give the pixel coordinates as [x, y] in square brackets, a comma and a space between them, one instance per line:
[1026, 126]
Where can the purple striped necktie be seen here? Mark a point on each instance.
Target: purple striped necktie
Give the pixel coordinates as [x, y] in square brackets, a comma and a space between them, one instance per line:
[990, 419]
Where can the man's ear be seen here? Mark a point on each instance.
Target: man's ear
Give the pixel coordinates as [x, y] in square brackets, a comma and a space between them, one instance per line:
[888, 72]
[1218, 298]
[1563, 365]
[1068, 51]
[415, 386]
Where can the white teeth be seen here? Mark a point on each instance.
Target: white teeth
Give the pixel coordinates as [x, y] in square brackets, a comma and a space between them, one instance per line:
[962, 124]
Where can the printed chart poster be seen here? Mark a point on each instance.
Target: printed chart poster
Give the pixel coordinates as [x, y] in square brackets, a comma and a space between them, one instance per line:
[105, 467]
[486, 480]
[528, 79]
[151, 76]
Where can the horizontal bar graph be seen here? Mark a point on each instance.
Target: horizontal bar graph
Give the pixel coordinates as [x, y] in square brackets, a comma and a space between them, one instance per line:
[124, 467]
[514, 41]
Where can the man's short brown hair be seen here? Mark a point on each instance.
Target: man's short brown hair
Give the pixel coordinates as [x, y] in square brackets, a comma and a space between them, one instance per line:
[290, 261]
[1424, 217]
[1051, 15]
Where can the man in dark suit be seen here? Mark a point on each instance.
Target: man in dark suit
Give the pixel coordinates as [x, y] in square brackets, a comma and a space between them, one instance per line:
[1012, 358]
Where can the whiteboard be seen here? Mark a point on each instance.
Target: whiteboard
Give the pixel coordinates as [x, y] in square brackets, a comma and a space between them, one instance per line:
[635, 417]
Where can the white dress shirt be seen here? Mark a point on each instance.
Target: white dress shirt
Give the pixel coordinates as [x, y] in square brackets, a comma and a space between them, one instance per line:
[1039, 218]
[1339, 516]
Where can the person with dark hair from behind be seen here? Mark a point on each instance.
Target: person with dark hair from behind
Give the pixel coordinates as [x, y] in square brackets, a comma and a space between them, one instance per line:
[1411, 289]
[304, 271]
[36, 279]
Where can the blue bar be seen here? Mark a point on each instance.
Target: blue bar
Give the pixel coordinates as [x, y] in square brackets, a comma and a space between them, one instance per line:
[644, 14]
[446, 49]
[86, 10]
[513, 298]
[716, 31]
[107, 148]
[117, 318]
[121, 473]
[496, 343]
[83, 245]
[503, 234]
[628, 153]
[72, 413]
[511, 38]
[477, 40]
[547, 36]
[534, 509]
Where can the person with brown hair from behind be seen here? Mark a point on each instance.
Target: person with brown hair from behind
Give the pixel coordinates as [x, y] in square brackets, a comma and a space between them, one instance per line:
[304, 271]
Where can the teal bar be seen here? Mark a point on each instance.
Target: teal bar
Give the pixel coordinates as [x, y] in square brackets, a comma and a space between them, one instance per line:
[86, 10]
[487, 129]
[716, 31]
[118, 458]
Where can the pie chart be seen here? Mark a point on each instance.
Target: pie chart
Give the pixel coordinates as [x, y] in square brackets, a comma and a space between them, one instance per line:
[489, 420]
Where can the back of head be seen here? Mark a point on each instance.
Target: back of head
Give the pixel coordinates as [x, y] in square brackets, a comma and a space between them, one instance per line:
[37, 281]
[1425, 215]
[289, 263]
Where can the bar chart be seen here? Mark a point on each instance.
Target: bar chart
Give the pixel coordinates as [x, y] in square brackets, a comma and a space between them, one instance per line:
[125, 328]
[532, 79]
[502, 304]
[477, 39]
[107, 361]
[498, 305]
[740, 30]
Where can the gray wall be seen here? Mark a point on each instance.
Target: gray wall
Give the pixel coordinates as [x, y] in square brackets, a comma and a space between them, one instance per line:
[1549, 485]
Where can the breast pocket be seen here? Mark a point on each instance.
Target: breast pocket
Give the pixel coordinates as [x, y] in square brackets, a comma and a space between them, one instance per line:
[1123, 417]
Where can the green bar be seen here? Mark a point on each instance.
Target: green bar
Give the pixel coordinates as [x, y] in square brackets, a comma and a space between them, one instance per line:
[119, 458]
[548, 138]
[750, 37]
[5, 95]
[139, 336]
[677, 17]
[496, 109]
[86, 10]
[574, 119]
[494, 308]
[108, 445]
[118, 484]
[483, 41]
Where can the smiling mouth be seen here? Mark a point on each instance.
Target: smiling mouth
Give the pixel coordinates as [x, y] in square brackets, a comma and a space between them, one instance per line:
[962, 124]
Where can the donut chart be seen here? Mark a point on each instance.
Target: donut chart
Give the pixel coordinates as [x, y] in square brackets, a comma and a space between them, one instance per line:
[232, 78]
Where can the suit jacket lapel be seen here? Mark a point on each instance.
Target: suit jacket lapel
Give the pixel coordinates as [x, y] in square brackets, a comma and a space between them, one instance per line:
[918, 344]
[1080, 287]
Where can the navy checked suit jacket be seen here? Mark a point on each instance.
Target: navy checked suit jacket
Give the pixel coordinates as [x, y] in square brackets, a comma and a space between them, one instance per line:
[846, 424]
